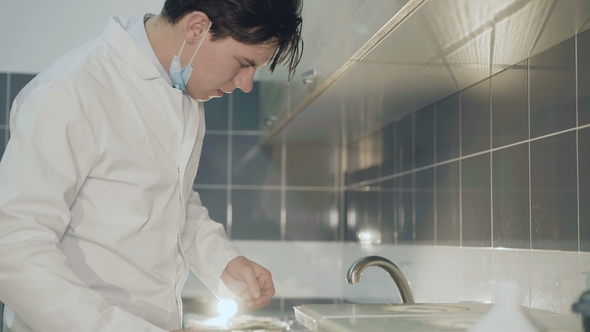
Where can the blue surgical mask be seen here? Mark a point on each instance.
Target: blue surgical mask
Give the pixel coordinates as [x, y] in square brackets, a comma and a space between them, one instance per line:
[181, 75]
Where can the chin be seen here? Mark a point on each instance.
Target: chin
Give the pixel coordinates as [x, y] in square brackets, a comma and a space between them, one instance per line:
[203, 98]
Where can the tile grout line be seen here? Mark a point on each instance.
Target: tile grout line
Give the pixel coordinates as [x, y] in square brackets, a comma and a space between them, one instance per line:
[283, 208]
[342, 176]
[435, 180]
[236, 132]
[414, 182]
[460, 168]
[529, 151]
[260, 187]
[530, 195]
[396, 198]
[491, 165]
[7, 132]
[577, 142]
[230, 146]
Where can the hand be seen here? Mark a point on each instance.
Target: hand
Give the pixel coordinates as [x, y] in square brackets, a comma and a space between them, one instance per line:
[249, 281]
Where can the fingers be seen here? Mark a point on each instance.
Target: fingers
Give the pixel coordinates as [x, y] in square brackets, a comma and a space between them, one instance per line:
[249, 281]
[247, 274]
[267, 286]
[267, 289]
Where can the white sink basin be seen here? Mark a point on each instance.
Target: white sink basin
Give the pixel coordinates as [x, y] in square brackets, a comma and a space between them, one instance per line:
[424, 317]
[424, 308]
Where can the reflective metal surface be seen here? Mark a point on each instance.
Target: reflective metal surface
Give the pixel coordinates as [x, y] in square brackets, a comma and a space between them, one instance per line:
[353, 275]
[443, 47]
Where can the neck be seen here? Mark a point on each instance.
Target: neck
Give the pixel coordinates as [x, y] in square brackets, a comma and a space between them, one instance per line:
[164, 39]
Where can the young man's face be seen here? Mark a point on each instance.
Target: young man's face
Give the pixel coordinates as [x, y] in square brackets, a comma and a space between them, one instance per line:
[221, 66]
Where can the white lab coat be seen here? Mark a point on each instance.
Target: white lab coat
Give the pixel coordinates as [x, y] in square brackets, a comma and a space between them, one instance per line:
[98, 218]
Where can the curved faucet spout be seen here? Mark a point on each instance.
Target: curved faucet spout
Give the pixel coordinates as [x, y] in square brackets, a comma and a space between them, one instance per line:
[353, 275]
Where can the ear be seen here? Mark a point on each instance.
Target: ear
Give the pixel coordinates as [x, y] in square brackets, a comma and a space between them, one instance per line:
[195, 26]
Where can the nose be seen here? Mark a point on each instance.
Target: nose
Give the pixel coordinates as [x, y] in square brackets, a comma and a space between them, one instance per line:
[245, 79]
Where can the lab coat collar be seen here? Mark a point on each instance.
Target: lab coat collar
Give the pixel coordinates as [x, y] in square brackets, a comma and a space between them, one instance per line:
[115, 34]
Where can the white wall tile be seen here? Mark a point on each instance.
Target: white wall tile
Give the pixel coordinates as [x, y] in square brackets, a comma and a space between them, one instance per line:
[554, 280]
[584, 259]
[299, 269]
[514, 265]
[437, 274]
[549, 280]
[477, 275]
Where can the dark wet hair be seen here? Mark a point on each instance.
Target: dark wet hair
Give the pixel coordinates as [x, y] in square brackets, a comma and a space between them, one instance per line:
[251, 22]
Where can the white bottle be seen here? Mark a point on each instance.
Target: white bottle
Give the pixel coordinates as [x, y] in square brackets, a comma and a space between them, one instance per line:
[507, 314]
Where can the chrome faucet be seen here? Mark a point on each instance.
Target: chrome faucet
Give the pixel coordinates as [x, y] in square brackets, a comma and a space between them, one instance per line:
[353, 275]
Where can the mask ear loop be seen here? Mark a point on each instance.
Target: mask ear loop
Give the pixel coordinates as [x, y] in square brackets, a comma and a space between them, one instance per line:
[182, 48]
[200, 43]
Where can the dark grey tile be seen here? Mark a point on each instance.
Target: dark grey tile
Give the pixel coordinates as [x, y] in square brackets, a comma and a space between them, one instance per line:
[424, 207]
[371, 151]
[215, 200]
[17, 82]
[388, 153]
[365, 158]
[424, 137]
[256, 215]
[253, 164]
[3, 141]
[311, 216]
[397, 206]
[404, 210]
[584, 164]
[311, 164]
[584, 78]
[448, 223]
[476, 192]
[353, 172]
[510, 110]
[362, 213]
[354, 207]
[553, 193]
[217, 113]
[510, 189]
[387, 208]
[553, 89]
[3, 99]
[475, 118]
[246, 109]
[448, 131]
[404, 158]
[213, 163]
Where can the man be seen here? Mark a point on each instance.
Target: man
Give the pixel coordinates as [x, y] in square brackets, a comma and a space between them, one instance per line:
[98, 220]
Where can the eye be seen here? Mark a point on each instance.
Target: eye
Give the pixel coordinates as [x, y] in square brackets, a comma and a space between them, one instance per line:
[244, 65]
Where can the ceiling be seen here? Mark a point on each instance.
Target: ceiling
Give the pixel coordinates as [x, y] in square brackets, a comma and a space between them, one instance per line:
[443, 47]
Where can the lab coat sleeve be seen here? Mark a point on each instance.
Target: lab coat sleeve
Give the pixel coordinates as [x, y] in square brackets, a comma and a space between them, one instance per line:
[46, 162]
[207, 248]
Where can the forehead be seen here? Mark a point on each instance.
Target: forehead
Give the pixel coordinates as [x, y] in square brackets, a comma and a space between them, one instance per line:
[259, 52]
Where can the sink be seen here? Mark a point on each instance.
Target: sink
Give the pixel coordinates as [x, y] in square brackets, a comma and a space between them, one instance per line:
[424, 317]
[425, 308]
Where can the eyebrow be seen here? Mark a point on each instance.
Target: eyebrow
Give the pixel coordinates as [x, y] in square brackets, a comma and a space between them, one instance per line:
[251, 62]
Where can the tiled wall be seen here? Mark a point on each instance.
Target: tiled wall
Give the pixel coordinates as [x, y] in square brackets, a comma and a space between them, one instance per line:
[503, 163]
[10, 85]
[283, 191]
